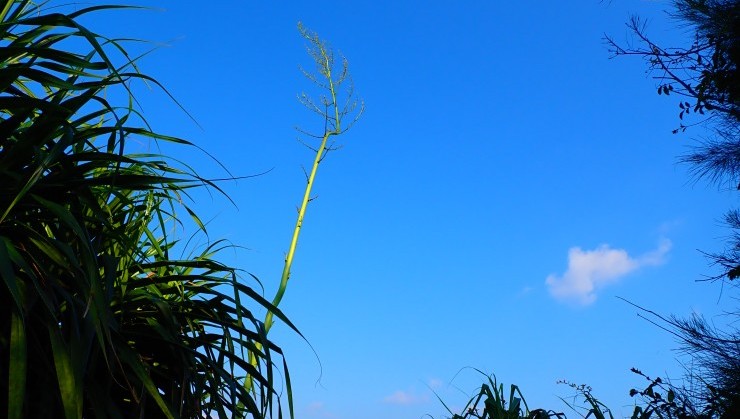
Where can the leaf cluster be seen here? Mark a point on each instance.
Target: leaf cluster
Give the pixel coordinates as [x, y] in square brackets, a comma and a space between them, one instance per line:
[663, 400]
[704, 73]
[491, 402]
[99, 315]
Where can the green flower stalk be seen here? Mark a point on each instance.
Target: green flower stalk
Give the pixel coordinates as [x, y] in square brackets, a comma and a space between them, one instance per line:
[333, 114]
[336, 104]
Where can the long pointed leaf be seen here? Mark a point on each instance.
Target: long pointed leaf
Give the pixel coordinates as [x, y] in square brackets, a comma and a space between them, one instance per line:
[17, 368]
[70, 393]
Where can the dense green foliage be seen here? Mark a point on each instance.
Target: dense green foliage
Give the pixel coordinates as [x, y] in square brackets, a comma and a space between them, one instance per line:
[103, 313]
[713, 57]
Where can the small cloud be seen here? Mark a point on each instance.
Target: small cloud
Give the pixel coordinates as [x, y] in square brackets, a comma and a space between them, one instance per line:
[526, 290]
[318, 410]
[669, 226]
[315, 406]
[657, 256]
[591, 270]
[404, 398]
[434, 383]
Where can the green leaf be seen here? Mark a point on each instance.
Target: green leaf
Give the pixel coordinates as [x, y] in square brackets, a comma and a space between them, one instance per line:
[17, 373]
[134, 363]
[7, 273]
[70, 393]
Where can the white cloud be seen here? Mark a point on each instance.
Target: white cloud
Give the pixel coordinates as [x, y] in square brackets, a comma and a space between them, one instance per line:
[434, 383]
[315, 406]
[404, 398]
[318, 410]
[591, 270]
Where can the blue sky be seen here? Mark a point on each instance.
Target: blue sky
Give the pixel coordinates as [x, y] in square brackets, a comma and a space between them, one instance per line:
[506, 183]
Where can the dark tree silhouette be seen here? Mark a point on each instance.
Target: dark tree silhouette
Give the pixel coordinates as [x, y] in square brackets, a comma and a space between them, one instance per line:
[704, 77]
[704, 74]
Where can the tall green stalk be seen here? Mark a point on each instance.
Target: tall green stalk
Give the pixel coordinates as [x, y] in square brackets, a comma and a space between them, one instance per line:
[333, 84]
[333, 114]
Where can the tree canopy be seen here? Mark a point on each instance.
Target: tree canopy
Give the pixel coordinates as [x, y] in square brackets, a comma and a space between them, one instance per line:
[703, 74]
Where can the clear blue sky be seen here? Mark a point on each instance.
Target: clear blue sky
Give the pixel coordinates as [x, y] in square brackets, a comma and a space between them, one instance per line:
[504, 167]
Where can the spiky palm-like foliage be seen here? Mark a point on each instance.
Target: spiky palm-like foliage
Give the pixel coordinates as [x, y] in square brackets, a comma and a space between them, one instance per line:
[491, 402]
[98, 318]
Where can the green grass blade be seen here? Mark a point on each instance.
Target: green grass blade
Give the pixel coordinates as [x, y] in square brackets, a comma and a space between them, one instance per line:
[6, 272]
[70, 393]
[17, 373]
[131, 361]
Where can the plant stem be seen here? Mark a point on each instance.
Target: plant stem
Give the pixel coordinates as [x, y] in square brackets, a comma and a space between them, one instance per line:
[285, 277]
